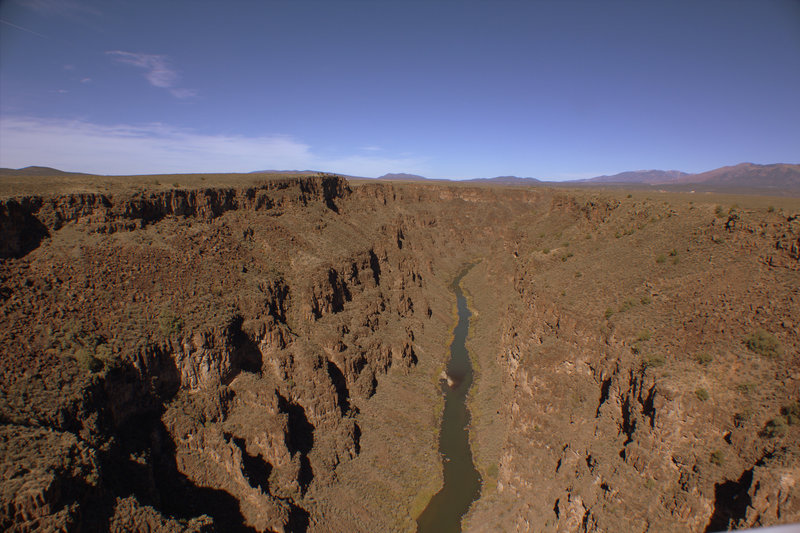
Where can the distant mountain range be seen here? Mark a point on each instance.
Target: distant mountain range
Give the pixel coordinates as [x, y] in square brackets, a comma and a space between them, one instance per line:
[499, 180]
[509, 180]
[651, 177]
[34, 171]
[744, 177]
[747, 174]
[402, 176]
[778, 178]
[284, 172]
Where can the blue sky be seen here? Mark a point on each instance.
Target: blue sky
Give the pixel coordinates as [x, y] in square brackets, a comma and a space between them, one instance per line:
[446, 89]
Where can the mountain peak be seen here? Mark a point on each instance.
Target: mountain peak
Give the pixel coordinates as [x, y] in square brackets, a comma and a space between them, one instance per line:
[402, 176]
[33, 171]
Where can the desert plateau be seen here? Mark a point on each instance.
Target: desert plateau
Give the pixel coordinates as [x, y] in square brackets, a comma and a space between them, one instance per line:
[264, 352]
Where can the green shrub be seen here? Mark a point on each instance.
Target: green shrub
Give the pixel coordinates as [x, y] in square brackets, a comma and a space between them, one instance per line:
[492, 470]
[627, 305]
[87, 360]
[646, 300]
[719, 211]
[274, 273]
[653, 361]
[545, 250]
[673, 252]
[89, 350]
[701, 394]
[763, 343]
[740, 418]
[775, 428]
[169, 323]
[771, 209]
[609, 312]
[717, 457]
[791, 413]
[660, 258]
[643, 335]
[578, 274]
[704, 358]
[746, 388]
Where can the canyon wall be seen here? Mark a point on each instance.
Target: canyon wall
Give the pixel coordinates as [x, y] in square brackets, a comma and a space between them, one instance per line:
[266, 358]
[622, 363]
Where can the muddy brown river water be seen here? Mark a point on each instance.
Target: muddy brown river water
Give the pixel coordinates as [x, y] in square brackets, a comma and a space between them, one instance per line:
[462, 482]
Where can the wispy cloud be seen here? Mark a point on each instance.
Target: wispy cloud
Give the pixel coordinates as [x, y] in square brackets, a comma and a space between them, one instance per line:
[159, 74]
[158, 71]
[7, 23]
[158, 148]
[68, 8]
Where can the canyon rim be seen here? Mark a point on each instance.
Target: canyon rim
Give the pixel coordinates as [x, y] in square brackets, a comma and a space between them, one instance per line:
[262, 353]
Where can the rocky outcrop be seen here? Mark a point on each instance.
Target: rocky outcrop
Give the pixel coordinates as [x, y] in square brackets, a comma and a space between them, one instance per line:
[46, 476]
[31, 217]
[21, 231]
[223, 420]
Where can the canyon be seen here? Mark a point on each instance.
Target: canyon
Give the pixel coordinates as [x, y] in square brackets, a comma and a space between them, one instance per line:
[264, 352]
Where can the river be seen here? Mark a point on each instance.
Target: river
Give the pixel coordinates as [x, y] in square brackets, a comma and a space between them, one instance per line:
[462, 482]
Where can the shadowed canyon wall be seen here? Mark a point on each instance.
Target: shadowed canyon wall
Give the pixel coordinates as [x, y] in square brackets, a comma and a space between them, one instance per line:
[266, 357]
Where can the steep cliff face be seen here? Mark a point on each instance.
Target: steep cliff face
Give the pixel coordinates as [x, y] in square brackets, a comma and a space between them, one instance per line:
[639, 400]
[211, 351]
[208, 364]
[28, 218]
[265, 357]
